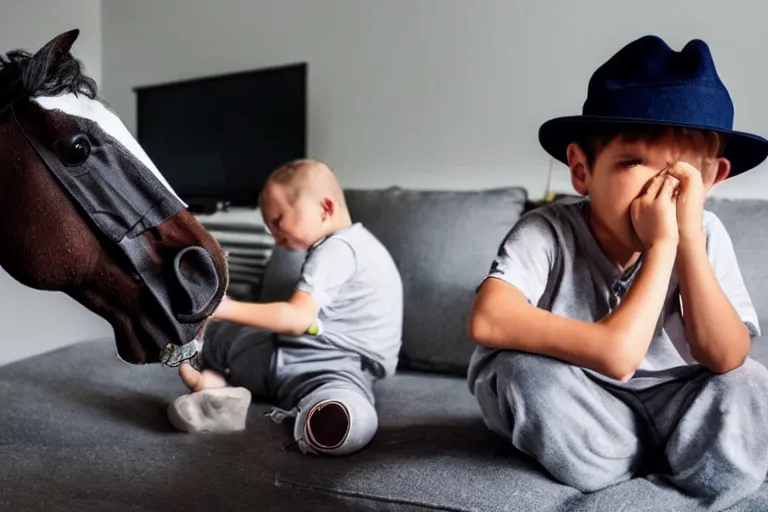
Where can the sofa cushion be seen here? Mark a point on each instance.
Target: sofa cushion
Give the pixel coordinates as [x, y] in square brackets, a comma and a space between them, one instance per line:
[83, 431]
[443, 243]
[747, 223]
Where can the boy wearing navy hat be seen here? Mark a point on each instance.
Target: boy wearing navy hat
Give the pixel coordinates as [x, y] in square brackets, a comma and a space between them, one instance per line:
[614, 331]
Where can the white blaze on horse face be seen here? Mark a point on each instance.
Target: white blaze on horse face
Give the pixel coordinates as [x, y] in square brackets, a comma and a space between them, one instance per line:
[86, 108]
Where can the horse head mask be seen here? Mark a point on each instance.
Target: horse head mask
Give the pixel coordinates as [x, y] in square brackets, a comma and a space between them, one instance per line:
[88, 214]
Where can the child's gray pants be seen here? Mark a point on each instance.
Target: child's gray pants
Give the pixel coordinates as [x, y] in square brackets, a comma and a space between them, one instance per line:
[294, 374]
[705, 433]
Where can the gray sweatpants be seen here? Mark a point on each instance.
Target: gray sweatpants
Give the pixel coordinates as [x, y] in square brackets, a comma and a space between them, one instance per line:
[706, 434]
[294, 375]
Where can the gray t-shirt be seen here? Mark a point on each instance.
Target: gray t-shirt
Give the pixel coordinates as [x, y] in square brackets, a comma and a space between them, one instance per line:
[551, 256]
[356, 284]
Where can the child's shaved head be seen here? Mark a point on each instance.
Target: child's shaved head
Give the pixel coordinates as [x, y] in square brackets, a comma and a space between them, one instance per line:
[302, 202]
[306, 176]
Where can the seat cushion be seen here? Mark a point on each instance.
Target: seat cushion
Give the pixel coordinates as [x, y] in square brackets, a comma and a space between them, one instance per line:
[83, 431]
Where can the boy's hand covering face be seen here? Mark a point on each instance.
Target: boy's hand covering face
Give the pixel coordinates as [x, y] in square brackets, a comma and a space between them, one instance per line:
[653, 211]
[690, 199]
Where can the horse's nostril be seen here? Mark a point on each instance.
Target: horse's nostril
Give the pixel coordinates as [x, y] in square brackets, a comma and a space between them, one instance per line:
[196, 284]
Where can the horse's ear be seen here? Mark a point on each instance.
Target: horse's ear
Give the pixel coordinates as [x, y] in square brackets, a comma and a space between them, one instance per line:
[58, 47]
[47, 58]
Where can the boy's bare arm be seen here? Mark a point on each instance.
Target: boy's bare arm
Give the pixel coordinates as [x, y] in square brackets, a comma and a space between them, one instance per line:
[292, 317]
[324, 272]
[614, 346]
[503, 318]
[716, 334]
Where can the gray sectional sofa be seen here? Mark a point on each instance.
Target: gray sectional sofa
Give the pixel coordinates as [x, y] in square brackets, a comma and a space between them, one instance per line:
[82, 431]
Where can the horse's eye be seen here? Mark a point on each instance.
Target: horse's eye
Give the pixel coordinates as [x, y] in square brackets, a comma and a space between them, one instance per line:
[74, 150]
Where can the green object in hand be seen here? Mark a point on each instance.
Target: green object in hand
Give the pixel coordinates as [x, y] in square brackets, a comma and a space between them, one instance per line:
[315, 328]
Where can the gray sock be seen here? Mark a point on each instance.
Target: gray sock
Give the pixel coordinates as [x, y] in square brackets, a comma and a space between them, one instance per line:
[211, 410]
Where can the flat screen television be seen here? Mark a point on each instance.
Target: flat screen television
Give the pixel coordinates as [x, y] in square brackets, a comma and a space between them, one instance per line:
[216, 139]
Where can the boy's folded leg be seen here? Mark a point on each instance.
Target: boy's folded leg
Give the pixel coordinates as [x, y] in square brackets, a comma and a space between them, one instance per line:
[243, 356]
[211, 410]
[335, 419]
[579, 432]
[718, 434]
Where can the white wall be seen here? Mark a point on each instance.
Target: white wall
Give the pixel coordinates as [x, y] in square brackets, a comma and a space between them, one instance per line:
[35, 321]
[432, 93]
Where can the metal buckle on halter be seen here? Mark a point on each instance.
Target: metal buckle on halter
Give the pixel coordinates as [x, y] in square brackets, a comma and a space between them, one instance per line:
[174, 355]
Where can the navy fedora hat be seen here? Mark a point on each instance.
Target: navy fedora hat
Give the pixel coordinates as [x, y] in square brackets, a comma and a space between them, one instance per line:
[647, 82]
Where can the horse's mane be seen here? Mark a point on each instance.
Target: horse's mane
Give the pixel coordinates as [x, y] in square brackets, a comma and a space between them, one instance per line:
[44, 77]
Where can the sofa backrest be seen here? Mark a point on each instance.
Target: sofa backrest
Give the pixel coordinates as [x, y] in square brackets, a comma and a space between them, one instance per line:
[747, 223]
[443, 243]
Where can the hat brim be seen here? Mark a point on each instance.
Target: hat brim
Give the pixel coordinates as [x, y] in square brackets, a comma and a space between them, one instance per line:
[745, 151]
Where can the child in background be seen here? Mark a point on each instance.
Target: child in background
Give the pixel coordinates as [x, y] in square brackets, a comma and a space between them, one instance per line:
[317, 355]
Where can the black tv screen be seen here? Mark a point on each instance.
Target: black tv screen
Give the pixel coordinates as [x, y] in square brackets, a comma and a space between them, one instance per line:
[216, 139]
